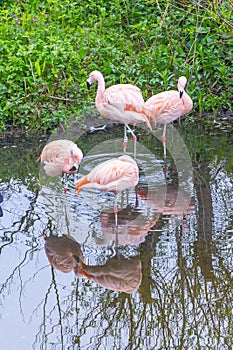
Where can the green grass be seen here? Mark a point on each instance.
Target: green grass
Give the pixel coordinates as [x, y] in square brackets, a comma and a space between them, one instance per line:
[48, 48]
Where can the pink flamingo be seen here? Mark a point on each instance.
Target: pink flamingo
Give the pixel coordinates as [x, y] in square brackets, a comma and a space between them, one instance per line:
[61, 156]
[123, 103]
[114, 175]
[170, 105]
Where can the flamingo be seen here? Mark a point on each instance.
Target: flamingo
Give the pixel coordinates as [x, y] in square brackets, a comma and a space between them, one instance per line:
[123, 103]
[61, 156]
[169, 106]
[114, 175]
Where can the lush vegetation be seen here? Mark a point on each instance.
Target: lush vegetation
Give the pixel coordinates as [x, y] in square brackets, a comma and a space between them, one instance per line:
[48, 48]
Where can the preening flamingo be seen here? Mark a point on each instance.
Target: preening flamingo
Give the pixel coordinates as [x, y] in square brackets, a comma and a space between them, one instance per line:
[123, 103]
[114, 175]
[170, 105]
[61, 156]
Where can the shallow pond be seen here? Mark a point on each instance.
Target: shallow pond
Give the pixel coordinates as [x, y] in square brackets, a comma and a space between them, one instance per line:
[161, 280]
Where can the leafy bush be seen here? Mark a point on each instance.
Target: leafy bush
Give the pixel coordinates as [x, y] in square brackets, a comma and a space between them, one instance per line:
[49, 47]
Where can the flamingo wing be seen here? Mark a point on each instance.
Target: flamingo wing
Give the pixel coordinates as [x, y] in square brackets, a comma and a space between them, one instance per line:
[166, 105]
[125, 97]
[55, 150]
[124, 102]
[114, 175]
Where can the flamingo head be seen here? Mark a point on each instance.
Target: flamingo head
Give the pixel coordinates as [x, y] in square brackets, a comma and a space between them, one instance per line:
[94, 76]
[181, 85]
[76, 157]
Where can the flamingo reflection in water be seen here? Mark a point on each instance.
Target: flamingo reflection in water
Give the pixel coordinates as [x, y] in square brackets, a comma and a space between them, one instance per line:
[117, 274]
[63, 252]
[133, 227]
[168, 200]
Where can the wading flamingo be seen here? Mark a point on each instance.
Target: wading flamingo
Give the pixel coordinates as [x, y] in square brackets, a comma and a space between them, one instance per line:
[123, 103]
[114, 175]
[61, 156]
[170, 105]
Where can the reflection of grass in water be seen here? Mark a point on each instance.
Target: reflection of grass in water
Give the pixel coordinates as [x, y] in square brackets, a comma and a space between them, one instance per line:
[18, 157]
[209, 145]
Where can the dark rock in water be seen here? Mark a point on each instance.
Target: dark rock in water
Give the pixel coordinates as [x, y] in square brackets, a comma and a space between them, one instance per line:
[1, 212]
[1, 198]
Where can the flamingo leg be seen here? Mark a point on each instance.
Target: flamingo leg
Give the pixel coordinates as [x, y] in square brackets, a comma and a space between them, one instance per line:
[164, 141]
[125, 142]
[134, 139]
[116, 216]
[164, 150]
[116, 210]
[116, 223]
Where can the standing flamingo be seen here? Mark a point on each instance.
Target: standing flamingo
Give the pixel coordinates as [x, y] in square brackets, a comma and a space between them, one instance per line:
[114, 175]
[170, 105]
[123, 103]
[61, 156]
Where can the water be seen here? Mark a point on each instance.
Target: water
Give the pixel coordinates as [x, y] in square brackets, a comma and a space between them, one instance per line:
[161, 280]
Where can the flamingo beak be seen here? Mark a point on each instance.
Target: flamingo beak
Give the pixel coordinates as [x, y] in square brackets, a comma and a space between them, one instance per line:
[76, 258]
[181, 93]
[73, 168]
[88, 85]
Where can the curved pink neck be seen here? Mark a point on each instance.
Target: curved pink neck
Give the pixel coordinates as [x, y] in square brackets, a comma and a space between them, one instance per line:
[100, 89]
